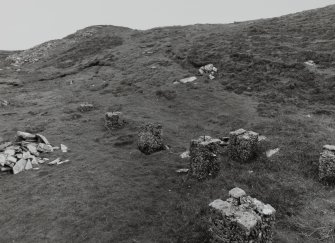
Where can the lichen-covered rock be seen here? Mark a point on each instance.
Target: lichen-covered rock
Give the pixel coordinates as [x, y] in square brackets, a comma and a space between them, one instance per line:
[114, 120]
[150, 138]
[242, 145]
[204, 161]
[327, 164]
[241, 218]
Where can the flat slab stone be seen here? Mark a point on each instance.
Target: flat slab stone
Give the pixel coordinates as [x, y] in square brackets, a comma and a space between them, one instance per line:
[19, 166]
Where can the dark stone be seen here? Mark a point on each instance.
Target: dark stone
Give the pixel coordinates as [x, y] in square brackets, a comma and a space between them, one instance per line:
[150, 138]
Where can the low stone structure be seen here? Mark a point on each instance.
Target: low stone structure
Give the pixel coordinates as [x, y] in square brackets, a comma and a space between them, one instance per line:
[150, 138]
[241, 218]
[203, 157]
[327, 164]
[85, 107]
[114, 120]
[243, 145]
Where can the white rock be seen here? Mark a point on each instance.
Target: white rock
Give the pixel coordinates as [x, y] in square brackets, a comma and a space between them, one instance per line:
[42, 138]
[54, 162]
[63, 148]
[32, 149]
[188, 80]
[62, 162]
[237, 193]
[272, 152]
[185, 155]
[329, 147]
[19, 166]
[26, 135]
[46, 148]
[182, 170]
[28, 166]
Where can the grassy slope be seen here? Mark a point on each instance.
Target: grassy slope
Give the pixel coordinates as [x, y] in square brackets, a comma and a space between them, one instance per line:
[112, 192]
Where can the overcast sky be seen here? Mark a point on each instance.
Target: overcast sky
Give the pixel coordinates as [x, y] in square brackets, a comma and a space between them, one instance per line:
[25, 23]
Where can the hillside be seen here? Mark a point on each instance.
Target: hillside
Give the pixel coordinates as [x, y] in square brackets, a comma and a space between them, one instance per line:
[111, 192]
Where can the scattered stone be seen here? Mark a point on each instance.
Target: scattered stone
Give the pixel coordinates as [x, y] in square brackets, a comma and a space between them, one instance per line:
[42, 139]
[23, 154]
[272, 152]
[45, 148]
[150, 138]
[63, 148]
[208, 69]
[261, 138]
[19, 166]
[188, 80]
[243, 145]
[327, 164]
[182, 170]
[241, 218]
[185, 155]
[54, 162]
[86, 107]
[203, 153]
[310, 63]
[25, 135]
[4, 103]
[114, 120]
[62, 162]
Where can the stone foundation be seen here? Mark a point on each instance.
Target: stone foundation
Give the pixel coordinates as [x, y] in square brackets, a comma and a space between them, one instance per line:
[241, 218]
[243, 145]
[114, 120]
[203, 157]
[150, 138]
[327, 164]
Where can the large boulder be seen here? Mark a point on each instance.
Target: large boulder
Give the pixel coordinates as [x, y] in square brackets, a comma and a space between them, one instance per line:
[150, 138]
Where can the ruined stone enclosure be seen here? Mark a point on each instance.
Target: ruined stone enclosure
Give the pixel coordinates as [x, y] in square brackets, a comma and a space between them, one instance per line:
[243, 145]
[241, 218]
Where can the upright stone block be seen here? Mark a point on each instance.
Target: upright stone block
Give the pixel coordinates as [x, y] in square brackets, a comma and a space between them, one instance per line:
[150, 138]
[203, 157]
[241, 218]
[327, 164]
[242, 145]
[114, 120]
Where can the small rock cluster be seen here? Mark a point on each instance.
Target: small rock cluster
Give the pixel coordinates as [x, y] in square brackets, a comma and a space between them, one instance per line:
[241, 218]
[327, 164]
[243, 145]
[25, 152]
[114, 120]
[204, 161]
[150, 138]
[208, 69]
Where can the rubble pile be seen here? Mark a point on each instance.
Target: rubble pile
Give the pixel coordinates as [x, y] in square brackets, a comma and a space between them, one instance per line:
[34, 54]
[114, 120]
[208, 69]
[204, 161]
[243, 145]
[25, 153]
[241, 218]
[150, 138]
[327, 164]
